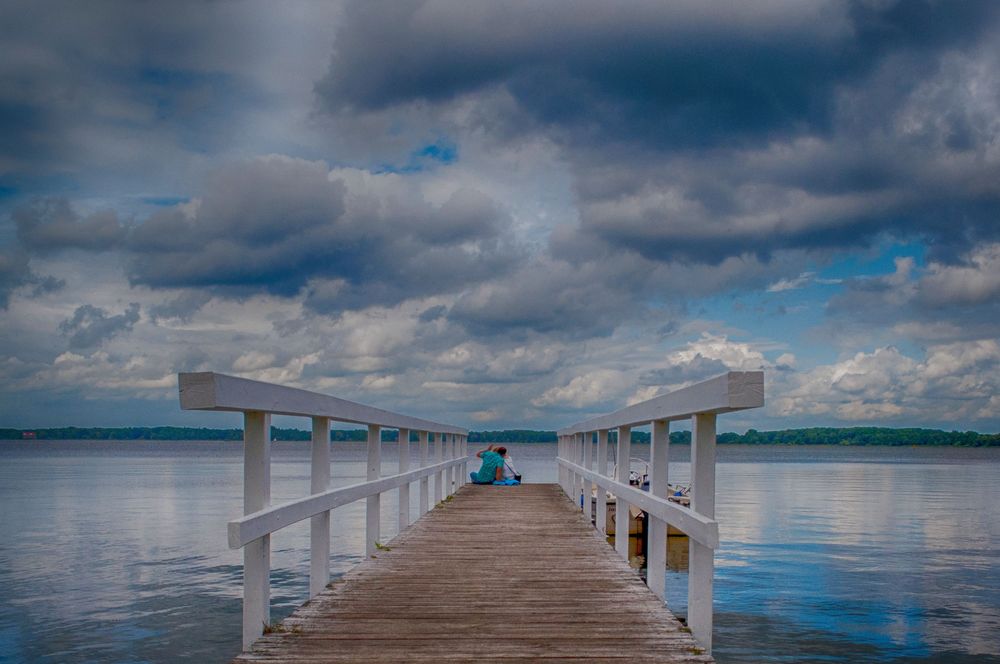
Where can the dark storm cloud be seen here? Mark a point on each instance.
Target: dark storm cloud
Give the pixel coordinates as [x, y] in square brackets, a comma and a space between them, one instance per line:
[553, 298]
[701, 131]
[14, 273]
[286, 226]
[112, 97]
[681, 73]
[52, 225]
[91, 326]
[183, 307]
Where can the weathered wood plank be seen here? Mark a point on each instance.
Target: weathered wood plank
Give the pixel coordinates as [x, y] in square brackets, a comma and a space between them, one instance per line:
[497, 574]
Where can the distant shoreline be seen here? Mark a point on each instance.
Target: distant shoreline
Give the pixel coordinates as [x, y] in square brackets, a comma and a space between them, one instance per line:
[849, 436]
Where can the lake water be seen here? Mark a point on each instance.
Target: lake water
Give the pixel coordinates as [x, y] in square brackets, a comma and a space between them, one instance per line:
[116, 551]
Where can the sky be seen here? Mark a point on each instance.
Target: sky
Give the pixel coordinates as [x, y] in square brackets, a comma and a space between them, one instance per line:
[502, 215]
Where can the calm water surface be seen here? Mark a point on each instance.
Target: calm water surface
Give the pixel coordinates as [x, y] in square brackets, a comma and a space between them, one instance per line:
[116, 551]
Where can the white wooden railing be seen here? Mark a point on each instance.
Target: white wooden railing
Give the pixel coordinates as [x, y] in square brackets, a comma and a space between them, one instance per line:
[736, 390]
[252, 532]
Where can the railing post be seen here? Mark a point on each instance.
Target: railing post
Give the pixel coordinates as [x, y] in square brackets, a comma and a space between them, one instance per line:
[463, 450]
[580, 481]
[559, 467]
[622, 507]
[449, 475]
[701, 561]
[373, 503]
[319, 528]
[573, 449]
[425, 491]
[602, 469]
[404, 491]
[438, 458]
[567, 473]
[256, 496]
[656, 554]
[588, 486]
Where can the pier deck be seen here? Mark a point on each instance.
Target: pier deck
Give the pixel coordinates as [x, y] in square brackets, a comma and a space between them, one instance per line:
[495, 574]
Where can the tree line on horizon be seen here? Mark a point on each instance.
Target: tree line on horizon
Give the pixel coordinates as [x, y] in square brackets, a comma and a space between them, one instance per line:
[806, 436]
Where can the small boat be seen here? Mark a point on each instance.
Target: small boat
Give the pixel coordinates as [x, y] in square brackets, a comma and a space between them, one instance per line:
[638, 476]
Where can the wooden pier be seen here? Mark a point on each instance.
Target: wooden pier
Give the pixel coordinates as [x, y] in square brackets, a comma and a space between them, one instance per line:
[493, 574]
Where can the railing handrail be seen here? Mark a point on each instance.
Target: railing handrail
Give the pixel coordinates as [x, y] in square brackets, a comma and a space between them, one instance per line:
[208, 390]
[258, 401]
[702, 403]
[246, 529]
[734, 390]
[697, 526]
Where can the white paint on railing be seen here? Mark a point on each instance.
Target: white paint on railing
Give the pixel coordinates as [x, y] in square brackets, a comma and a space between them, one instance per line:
[695, 525]
[258, 401]
[373, 508]
[425, 493]
[602, 470]
[439, 477]
[404, 490]
[701, 562]
[621, 505]
[735, 390]
[319, 530]
[213, 391]
[656, 553]
[256, 496]
[258, 524]
[588, 486]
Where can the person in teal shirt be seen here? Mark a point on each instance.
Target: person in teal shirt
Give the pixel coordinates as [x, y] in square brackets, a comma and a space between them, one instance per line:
[492, 468]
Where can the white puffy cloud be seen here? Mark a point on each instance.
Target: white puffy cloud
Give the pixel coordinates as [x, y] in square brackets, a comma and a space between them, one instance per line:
[598, 387]
[974, 281]
[954, 383]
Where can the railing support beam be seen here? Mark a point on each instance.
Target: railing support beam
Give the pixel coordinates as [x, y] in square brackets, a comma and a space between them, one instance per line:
[373, 503]
[439, 477]
[588, 486]
[602, 469]
[701, 559]
[425, 492]
[656, 567]
[404, 491]
[256, 554]
[622, 507]
[319, 529]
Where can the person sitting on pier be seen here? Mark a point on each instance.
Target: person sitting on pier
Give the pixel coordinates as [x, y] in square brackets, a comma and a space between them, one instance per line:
[509, 471]
[492, 468]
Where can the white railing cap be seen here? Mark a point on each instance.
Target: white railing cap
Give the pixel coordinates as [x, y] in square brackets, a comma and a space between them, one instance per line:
[735, 390]
[213, 391]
